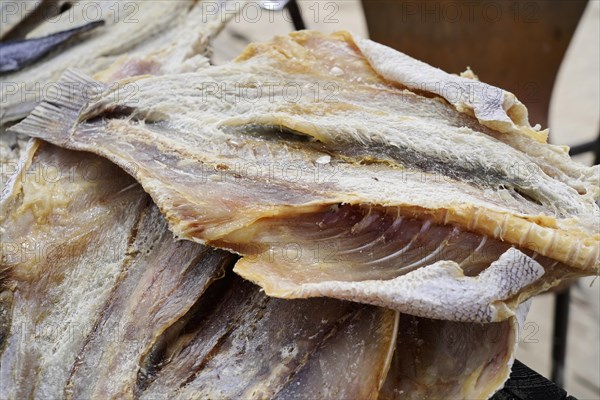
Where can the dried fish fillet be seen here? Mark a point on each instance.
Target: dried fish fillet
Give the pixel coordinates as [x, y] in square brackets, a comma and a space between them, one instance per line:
[157, 37]
[437, 359]
[51, 227]
[413, 193]
[95, 276]
[107, 304]
[161, 284]
[243, 344]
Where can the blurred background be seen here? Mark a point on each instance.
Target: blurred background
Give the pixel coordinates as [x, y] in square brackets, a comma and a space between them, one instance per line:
[546, 52]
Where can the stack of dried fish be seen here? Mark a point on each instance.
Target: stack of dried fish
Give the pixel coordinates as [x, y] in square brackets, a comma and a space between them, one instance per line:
[157, 42]
[418, 210]
[173, 41]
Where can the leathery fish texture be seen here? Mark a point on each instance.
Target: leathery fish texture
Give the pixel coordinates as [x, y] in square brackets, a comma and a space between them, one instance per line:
[170, 41]
[160, 37]
[440, 207]
[105, 303]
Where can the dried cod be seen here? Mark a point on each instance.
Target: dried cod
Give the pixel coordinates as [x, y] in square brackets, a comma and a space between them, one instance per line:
[396, 196]
[107, 304]
[252, 346]
[159, 37]
[173, 356]
[51, 227]
[436, 359]
[183, 44]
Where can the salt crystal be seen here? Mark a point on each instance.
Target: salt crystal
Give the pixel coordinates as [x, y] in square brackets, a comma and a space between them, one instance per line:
[324, 160]
[336, 71]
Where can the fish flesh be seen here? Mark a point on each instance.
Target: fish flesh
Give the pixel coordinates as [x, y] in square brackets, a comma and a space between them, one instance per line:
[157, 37]
[106, 303]
[253, 346]
[59, 282]
[124, 310]
[380, 194]
[184, 46]
[438, 359]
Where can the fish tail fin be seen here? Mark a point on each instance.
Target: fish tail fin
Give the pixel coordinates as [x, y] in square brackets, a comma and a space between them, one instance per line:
[57, 115]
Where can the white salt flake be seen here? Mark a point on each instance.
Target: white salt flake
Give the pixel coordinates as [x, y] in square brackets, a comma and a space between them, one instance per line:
[323, 160]
[336, 71]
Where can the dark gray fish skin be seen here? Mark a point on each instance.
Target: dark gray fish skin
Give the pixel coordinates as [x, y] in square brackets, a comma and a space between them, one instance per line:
[109, 306]
[239, 343]
[20, 19]
[438, 360]
[15, 55]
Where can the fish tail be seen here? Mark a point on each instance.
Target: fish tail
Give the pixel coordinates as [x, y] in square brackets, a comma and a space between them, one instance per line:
[55, 118]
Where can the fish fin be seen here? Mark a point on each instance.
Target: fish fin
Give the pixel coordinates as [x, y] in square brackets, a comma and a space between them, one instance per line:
[21, 53]
[58, 114]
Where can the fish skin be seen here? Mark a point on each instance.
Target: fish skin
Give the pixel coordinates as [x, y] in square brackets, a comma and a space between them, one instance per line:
[16, 55]
[493, 107]
[47, 252]
[85, 320]
[177, 128]
[436, 359]
[157, 42]
[250, 346]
